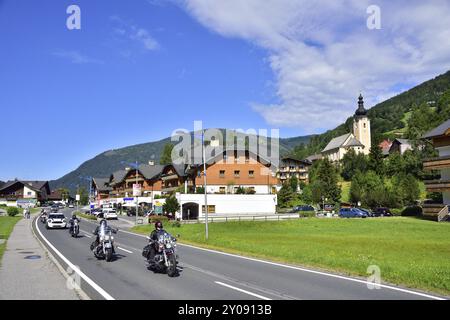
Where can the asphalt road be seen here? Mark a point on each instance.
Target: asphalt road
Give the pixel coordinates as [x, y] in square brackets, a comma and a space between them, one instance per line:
[203, 274]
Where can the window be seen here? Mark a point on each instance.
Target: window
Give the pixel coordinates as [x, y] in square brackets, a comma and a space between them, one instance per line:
[211, 209]
[222, 189]
[221, 173]
[237, 173]
[29, 193]
[251, 173]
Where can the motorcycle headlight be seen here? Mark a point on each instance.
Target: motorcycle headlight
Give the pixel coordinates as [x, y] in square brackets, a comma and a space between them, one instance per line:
[168, 246]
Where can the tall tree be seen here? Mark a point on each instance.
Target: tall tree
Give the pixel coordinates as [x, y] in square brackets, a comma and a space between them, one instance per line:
[351, 163]
[285, 195]
[326, 182]
[166, 155]
[376, 162]
[293, 182]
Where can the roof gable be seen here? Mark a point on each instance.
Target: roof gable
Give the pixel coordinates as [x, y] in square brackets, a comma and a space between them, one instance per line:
[337, 142]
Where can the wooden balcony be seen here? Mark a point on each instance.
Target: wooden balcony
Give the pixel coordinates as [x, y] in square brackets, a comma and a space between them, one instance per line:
[437, 185]
[169, 177]
[436, 163]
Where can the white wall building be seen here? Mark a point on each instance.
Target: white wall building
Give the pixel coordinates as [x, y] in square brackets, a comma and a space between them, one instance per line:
[193, 205]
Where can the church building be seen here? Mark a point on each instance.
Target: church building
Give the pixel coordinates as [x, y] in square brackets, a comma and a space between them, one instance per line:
[359, 140]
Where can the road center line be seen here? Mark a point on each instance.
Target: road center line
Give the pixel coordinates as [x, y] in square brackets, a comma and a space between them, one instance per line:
[124, 250]
[242, 290]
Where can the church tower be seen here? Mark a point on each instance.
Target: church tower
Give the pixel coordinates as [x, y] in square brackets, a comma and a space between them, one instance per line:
[361, 126]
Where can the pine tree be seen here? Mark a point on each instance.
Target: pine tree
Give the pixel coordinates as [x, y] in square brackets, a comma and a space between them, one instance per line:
[376, 162]
[326, 182]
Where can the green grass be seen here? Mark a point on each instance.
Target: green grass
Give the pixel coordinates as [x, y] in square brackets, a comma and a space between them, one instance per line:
[409, 251]
[6, 226]
[85, 216]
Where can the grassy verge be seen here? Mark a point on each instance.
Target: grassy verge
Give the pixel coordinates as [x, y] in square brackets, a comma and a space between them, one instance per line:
[409, 251]
[85, 216]
[6, 226]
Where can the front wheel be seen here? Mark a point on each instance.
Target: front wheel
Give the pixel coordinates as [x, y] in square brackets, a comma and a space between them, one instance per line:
[172, 269]
[109, 254]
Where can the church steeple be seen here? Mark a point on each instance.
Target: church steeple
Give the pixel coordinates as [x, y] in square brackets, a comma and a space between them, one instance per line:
[361, 111]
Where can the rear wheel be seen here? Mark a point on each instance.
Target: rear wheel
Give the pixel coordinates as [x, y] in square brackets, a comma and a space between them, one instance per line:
[172, 269]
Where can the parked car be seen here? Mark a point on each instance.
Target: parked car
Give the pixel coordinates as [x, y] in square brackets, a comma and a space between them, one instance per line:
[352, 213]
[368, 211]
[54, 209]
[56, 220]
[110, 214]
[382, 212]
[71, 205]
[304, 208]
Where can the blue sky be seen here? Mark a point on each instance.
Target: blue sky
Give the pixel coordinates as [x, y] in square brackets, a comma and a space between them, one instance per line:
[138, 70]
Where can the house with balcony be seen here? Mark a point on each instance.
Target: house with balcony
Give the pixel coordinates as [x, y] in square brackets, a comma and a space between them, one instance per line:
[291, 167]
[147, 176]
[20, 192]
[440, 137]
[232, 169]
[101, 188]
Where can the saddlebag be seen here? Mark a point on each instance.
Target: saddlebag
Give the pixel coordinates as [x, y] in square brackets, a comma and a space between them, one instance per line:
[146, 251]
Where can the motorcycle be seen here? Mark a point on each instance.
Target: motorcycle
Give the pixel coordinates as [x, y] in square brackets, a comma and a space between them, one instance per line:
[165, 259]
[105, 249]
[43, 218]
[75, 230]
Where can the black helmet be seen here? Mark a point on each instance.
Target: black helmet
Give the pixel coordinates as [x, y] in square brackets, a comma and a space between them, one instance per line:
[158, 225]
[103, 221]
[74, 216]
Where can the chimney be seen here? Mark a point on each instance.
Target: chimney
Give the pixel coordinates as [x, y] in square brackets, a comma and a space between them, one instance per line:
[151, 163]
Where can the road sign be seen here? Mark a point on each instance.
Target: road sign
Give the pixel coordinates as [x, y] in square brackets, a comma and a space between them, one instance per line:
[137, 190]
[77, 197]
[128, 199]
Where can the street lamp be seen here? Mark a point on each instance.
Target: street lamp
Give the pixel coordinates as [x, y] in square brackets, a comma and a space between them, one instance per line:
[88, 178]
[213, 143]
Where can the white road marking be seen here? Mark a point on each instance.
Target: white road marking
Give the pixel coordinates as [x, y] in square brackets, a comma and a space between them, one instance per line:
[86, 234]
[124, 250]
[242, 290]
[304, 270]
[99, 289]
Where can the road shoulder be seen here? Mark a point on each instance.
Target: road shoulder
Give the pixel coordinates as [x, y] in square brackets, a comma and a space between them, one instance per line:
[28, 271]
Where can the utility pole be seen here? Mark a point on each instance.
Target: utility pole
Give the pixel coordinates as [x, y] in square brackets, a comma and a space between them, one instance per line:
[204, 180]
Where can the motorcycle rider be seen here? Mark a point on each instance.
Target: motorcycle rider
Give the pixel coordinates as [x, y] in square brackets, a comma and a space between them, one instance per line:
[72, 222]
[102, 228]
[154, 241]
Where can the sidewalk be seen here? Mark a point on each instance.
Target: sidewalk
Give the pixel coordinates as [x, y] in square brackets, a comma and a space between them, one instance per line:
[23, 278]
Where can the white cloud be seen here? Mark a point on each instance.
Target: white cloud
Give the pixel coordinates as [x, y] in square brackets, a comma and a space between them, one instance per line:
[76, 57]
[323, 55]
[133, 32]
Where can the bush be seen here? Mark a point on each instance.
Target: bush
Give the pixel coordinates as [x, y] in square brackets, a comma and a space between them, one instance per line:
[154, 218]
[413, 211]
[176, 224]
[307, 214]
[397, 212]
[12, 211]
